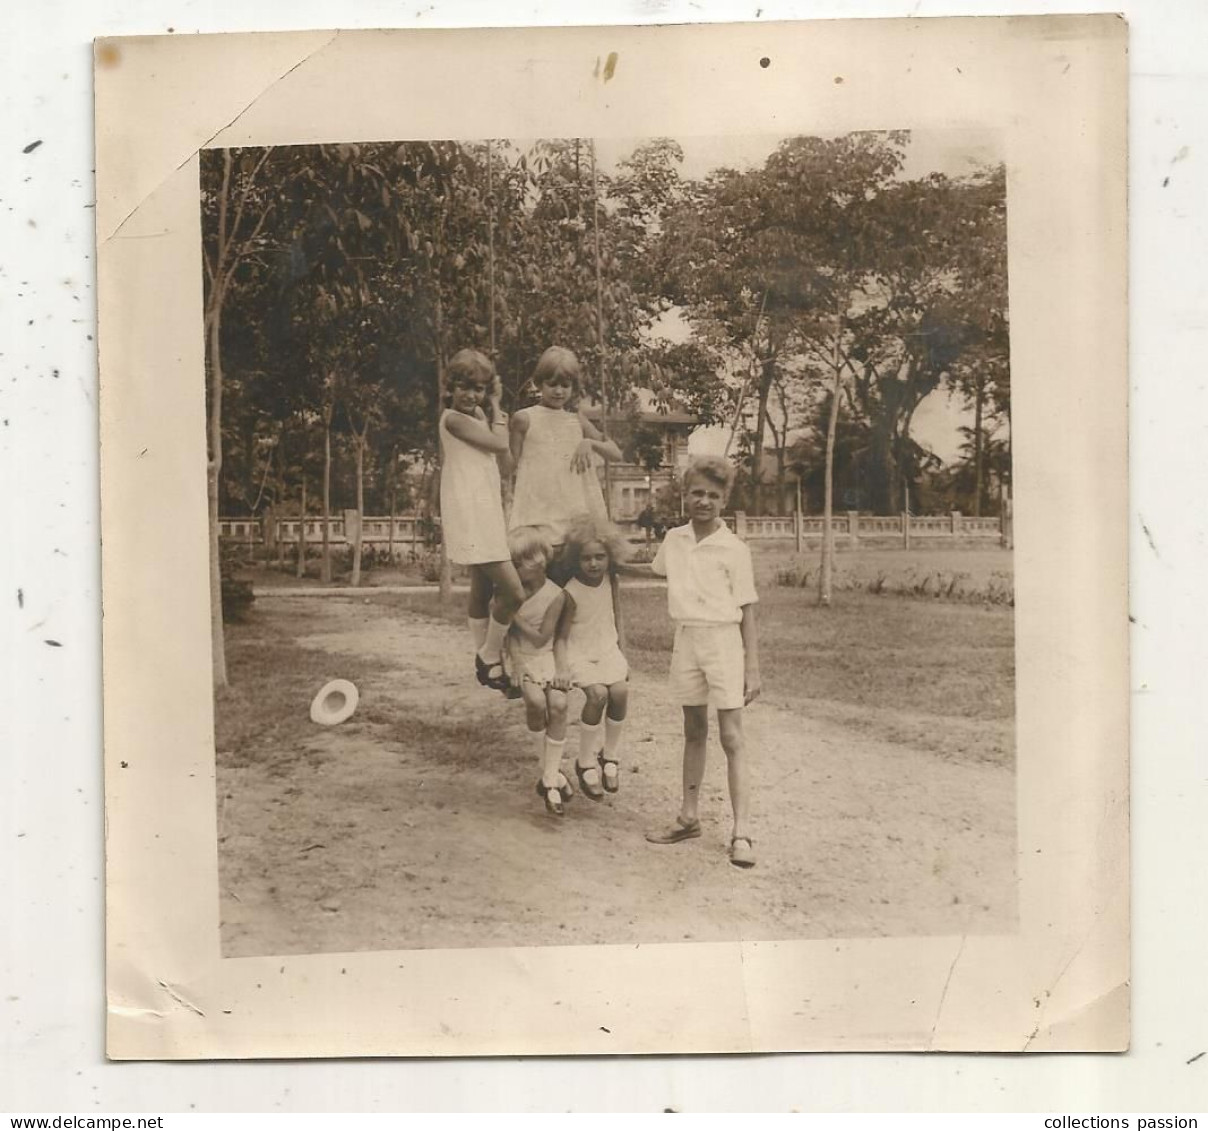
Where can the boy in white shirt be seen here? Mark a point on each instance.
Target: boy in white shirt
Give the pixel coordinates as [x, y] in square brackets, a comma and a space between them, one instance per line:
[711, 597]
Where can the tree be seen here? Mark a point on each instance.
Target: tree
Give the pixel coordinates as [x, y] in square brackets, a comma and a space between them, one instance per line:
[238, 197]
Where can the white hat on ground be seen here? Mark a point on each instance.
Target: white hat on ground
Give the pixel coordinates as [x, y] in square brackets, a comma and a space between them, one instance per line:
[335, 703]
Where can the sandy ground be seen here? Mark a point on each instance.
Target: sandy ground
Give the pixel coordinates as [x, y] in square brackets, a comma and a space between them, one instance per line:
[369, 842]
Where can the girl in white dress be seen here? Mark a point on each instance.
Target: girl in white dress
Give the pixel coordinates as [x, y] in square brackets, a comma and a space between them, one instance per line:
[471, 507]
[554, 449]
[587, 651]
[530, 662]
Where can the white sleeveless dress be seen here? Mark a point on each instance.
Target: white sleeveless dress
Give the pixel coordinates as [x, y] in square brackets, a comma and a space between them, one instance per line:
[548, 493]
[594, 652]
[524, 660]
[471, 501]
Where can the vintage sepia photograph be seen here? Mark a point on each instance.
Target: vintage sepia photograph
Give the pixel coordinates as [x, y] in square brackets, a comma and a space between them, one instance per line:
[643, 577]
[611, 540]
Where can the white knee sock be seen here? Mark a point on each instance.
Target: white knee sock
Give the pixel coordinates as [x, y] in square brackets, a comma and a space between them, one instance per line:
[552, 761]
[589, 743]
[612, 737]
[478, 630]
[492, 647]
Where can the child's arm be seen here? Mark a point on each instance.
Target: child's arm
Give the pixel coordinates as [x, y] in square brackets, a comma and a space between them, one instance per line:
[594, 441]
[518, 427]
[562, 674]
[751, 683]
[545, 631]
[616, 610]
[479, 433]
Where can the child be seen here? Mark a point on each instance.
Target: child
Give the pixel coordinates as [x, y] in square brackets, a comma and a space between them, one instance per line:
[711, 597]
[552, 448]
[530, 654]
[587, 651]
[471, 507]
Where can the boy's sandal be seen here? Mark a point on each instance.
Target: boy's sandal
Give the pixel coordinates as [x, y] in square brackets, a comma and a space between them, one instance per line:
[612, 781]
[681, 830]
[591, 789]
[740, 856]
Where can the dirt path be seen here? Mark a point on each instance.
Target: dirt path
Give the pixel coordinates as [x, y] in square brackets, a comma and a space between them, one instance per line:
[376, 840]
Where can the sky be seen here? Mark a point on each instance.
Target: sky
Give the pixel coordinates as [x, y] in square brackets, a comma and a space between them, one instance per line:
[954, 152]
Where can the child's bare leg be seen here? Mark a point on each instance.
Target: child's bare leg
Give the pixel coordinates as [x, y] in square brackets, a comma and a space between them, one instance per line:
[535, 720]
[614, 726]
[587, 764]
[596, 698]
[594, 704]
[555, 713]
[696, 739]
[478, 611]
[733, 742]
[508, 597]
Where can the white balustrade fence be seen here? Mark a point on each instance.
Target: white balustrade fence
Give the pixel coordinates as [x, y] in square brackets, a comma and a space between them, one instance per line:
[409, 529]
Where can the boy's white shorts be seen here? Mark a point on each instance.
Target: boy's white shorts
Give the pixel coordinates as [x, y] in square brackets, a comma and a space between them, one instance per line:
[707, 666]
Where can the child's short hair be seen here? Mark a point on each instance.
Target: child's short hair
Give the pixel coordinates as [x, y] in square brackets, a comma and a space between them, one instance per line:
[558, 361]
[527, 543]
[718, 471]
[584, 529]
[468, 366]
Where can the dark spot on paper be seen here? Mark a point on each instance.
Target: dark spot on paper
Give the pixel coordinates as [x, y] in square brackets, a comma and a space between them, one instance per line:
[1065, 68]
[1149, 539]
[171, 30]
[1165, 181]
[765, 62]
[108, 55]
[142, 453]
[1131, 619]
[53, 643]
[605, 1029]
[125, 765]
[1196, 1057]
[20, 592]
[610, 66]
[226, 1011]
[55, 374]
[32, 146]
[959, 71]
[838, 80]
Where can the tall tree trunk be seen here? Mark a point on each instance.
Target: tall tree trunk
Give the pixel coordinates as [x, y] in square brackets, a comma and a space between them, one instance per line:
[979, 397]
[393, 502]
[446, 567]
[301, 567]
[279, 501]
[358, 541]
[217, 634]
[828, 533]
[595, 225]
[325, 564]
[765, 388]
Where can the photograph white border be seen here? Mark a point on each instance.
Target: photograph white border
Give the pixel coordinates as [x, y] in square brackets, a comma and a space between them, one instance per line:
[1057, 89]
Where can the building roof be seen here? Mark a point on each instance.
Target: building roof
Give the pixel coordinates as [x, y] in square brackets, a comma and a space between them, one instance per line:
[646, 416]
